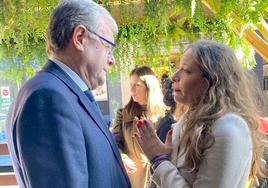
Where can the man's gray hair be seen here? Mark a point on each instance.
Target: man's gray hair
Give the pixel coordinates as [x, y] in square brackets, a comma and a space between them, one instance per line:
[70, 13]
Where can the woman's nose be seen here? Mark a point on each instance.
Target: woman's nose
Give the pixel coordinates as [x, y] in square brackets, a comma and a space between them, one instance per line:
[132, 89]
[176, 76]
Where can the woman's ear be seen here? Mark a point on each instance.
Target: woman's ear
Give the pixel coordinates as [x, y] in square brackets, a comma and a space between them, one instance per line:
[79, 37]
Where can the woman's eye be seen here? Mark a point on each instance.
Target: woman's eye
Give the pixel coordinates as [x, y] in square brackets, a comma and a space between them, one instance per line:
[138, 84]
[135, 85]
[186, 71]
[175, 79]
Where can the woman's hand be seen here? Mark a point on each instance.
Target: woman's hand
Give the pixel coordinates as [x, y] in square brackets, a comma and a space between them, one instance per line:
[129, 164]
[149, 141]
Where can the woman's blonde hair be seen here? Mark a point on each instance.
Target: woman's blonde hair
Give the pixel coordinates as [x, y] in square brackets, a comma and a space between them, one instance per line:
[229, 91]
[155, 106]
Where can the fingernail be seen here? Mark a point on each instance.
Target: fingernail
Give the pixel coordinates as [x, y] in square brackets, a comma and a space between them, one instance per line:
[138, 124]
[170, 131]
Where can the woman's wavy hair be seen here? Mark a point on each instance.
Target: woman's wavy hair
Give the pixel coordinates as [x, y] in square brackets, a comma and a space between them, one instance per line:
[229, 91]
[155, 106]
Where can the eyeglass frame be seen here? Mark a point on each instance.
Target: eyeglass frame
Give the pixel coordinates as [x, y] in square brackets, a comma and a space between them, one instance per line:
[102, 38]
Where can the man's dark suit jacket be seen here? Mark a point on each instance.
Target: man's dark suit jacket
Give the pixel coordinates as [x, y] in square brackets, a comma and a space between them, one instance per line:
[56, 139]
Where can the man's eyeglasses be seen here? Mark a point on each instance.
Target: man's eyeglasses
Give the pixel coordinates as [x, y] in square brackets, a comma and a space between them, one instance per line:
[103, 39]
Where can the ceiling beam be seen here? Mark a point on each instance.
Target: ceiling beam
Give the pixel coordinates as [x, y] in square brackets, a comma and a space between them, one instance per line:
[250, 36]
[263, 29]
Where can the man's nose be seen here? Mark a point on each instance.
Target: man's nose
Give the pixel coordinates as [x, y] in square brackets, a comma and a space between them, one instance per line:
[132, 89]
[111, 60]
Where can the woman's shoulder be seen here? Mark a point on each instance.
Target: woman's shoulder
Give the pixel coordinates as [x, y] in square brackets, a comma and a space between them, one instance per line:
[231, 125]
[230, 118]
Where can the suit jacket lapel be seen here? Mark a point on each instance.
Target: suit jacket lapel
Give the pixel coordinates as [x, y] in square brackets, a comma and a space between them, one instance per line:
[58, 72]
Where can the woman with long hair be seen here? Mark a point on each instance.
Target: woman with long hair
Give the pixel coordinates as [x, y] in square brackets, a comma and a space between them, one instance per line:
[216, 143]
[146, 101]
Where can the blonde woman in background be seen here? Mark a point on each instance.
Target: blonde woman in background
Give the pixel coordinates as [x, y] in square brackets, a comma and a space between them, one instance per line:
[146, 100]
[216, 143]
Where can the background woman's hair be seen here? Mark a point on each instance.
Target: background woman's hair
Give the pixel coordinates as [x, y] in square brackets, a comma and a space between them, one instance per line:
[155, 107]
[166, 85]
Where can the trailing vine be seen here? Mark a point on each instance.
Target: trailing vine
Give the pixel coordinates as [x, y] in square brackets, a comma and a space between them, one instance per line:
[151, 32]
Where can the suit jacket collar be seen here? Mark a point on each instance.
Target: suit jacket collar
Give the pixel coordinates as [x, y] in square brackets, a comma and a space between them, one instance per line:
[58, 72]
[54, 69]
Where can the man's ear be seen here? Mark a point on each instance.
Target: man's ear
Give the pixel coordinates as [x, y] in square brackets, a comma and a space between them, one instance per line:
[79, 37]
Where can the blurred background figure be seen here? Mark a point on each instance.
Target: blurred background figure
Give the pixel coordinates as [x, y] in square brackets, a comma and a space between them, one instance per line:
[146, 101]
[174, 111]
[165, 123]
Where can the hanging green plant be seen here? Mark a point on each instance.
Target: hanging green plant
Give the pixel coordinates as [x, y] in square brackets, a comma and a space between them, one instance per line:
[151, 32]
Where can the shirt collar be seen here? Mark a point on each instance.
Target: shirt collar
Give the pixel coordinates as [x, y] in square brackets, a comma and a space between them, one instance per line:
[72, 74]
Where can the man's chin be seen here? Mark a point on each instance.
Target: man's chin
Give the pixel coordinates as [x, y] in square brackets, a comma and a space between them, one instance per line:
[101, 82]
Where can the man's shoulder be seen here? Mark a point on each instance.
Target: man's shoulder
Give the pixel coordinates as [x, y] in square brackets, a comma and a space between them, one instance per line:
[41, 82]
[42, 78]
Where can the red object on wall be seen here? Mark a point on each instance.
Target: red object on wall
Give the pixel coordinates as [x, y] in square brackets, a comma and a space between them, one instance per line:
[263, 123]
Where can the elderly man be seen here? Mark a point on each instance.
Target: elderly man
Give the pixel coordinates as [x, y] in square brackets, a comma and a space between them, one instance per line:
[56, 134]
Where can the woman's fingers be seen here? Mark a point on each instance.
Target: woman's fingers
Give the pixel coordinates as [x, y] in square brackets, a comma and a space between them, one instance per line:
[168, 141]
[145, 129]
[149, 141]
[144, 144]
[138, 138]
[138, 126]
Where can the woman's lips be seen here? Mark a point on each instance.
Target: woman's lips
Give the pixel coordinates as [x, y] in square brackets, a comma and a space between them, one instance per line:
[175, 91]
